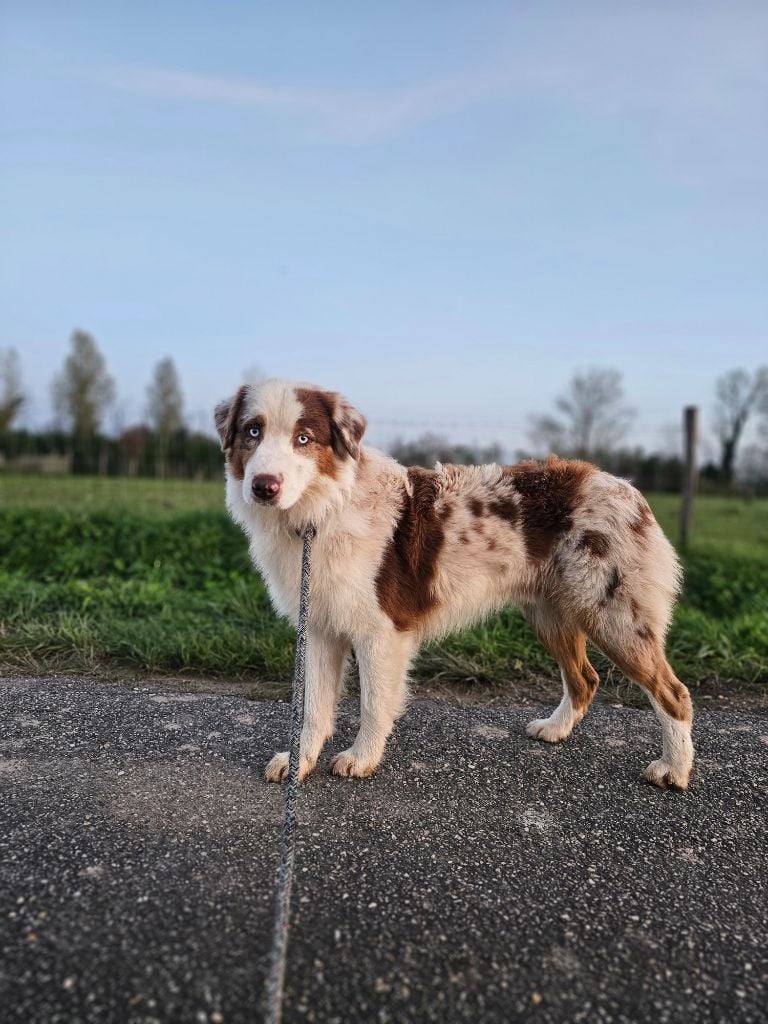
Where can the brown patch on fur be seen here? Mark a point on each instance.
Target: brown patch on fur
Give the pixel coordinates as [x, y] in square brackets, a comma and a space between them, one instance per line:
[233, 443]
[244, 446]
[326, 462]
[351, 424]
[646, 665]
[613, 584]
[317, 419]
[666, 688]
[673, 695]
[477, 507]
[504, 507]
[491, 544]
[595, 543]
[447, 510]
[569, 649]
[220, 417]
[227, 417]
[340, 426]
[643, 519]
[405, 580]
[463, 538]
[334, 422]
[317, 414]
[549, 492]
[237, 459]
[644, 632]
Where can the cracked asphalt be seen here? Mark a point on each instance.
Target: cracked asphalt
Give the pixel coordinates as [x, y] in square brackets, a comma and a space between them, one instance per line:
[478, 876]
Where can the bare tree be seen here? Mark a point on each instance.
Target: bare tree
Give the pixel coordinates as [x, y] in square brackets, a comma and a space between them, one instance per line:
[11, 395]
[739, 393]
[593, 416]
[83, 389]
[165, 406]
[547, 433]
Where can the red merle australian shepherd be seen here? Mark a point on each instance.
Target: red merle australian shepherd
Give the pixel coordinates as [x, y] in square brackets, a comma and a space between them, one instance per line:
[406, 555]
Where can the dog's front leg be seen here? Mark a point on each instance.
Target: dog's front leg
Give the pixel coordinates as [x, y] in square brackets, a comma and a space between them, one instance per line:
[326, 663]
[383, 663]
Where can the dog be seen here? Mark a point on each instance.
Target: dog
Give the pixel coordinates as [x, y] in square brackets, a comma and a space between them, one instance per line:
[405, 555]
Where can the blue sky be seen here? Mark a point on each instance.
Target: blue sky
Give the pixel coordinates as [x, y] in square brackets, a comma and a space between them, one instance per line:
[442, 210]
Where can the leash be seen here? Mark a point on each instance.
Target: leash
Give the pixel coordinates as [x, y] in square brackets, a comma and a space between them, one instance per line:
[276, 978]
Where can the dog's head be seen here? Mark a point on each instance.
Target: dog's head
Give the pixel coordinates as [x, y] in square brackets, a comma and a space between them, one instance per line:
[282, 440]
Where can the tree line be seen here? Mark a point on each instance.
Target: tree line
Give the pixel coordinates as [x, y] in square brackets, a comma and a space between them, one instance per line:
[82, 392]
[591, 420]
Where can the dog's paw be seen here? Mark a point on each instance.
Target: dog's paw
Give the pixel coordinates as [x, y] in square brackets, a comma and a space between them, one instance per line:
[350, 766]
[277, 769]
[546, 729]
[663, 775]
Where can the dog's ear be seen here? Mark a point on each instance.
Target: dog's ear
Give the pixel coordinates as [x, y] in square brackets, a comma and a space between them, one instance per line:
[227, 414]
[348, 427]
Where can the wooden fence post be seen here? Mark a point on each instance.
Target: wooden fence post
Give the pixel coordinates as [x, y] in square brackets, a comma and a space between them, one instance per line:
[690, 471]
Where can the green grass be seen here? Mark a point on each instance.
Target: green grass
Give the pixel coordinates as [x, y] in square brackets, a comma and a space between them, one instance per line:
[151, 576]
[103, 494]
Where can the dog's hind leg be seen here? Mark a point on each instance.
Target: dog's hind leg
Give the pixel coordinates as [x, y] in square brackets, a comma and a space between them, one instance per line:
[383, 663]
[567, 645]
[326, 665]
[642, 659]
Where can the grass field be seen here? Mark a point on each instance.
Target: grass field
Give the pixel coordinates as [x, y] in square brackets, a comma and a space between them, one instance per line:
[150, 576]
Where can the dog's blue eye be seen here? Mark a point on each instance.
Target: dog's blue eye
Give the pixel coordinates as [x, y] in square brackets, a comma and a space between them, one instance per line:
[302, 439]
[255, 432]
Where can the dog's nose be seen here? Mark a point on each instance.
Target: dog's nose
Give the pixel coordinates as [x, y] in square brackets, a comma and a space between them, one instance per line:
[265, 487]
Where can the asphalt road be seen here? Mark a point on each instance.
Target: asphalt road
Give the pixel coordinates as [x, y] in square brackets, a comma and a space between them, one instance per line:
[479, 876]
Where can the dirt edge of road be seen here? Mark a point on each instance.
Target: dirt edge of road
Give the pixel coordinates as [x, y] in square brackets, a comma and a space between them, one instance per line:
[530, 690]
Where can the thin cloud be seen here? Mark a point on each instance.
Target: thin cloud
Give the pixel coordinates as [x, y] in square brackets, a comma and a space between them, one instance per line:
[356, 115]
[693, 79]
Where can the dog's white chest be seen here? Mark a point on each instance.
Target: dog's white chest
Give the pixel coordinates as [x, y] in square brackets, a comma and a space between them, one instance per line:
[342, 588]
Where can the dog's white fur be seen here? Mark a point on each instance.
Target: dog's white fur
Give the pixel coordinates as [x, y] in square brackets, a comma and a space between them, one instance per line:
[402, 557]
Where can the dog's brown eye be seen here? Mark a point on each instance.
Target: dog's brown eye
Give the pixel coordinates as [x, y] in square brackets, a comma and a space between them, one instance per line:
[303, 439]
[255, 431]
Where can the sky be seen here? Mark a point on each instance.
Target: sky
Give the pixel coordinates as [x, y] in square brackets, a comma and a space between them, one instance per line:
[442, 210]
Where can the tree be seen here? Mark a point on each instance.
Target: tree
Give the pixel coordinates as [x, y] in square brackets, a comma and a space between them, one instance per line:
[431, 448]
[594, 417]
[738, 394]
[83, 389]
[132, 444]
[165, 408]
[11, 395]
